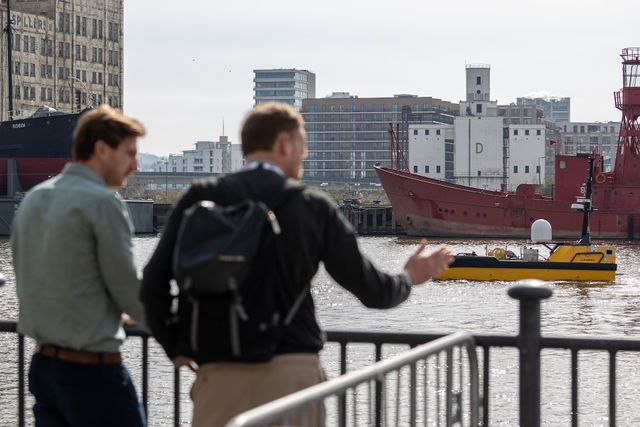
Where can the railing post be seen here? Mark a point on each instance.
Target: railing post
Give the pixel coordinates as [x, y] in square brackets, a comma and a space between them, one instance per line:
[530, 293]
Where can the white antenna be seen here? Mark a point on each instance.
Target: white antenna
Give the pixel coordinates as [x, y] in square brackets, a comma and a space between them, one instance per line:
[223, 126]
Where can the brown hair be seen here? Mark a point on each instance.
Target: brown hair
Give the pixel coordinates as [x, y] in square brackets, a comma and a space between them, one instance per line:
[105, 124]
[264, 123]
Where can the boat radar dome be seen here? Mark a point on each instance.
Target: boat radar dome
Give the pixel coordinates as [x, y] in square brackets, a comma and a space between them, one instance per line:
[541, 231]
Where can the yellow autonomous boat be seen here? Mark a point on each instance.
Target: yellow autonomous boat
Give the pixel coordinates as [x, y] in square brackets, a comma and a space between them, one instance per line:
[580, 261]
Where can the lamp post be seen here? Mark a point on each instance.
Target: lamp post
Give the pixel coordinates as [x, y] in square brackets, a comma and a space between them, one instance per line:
[166, 178]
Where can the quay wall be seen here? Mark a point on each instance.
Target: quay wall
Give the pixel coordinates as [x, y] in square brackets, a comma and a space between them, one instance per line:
[140, 211]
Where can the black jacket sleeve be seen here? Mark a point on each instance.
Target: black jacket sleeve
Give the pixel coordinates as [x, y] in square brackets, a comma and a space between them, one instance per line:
[353, 270]
[157, 275]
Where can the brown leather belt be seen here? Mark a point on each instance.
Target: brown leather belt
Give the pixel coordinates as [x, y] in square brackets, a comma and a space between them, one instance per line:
[84, 357]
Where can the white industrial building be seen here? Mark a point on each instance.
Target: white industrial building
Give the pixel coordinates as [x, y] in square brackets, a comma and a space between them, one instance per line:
[479, 149]
[208, 157]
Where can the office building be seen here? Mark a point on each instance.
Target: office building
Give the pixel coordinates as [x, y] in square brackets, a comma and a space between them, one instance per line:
[66, 55]
[348, 135]
[289, 86]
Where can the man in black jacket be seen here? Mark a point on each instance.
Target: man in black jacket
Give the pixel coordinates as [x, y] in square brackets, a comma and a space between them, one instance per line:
[313, 230]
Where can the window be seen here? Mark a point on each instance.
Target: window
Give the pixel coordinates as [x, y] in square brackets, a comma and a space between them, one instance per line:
[77, 52]
[99, 78]
[26, 43]
[415, 169]
[84, 26]
[94, 29]
[100, 28]
[94, 54]
[16, 41]
[415, 131]
[478, 108]
[437, 169]
[426, 131]
[17, 92]
[478, 80]
[538, 169]
[479, 173]
[438, 133]
[77, 25]
[515, 169]
[84, 53]
[426, 169]
[94, 78]
[526, 131]
[526, 169]
[538, 132]
[515, 132]
[32, 73]
[16, 67]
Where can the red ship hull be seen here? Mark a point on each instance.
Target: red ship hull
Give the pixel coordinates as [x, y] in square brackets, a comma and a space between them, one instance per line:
[430, 207]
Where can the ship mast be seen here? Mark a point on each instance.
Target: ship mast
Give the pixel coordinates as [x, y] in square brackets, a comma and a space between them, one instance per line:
[585, 238]
[627, 100]
[9, 60]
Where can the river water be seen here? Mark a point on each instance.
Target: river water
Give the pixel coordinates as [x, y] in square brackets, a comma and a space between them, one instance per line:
[574, 309]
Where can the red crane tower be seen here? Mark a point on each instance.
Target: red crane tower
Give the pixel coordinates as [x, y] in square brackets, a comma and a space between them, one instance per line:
[627, 99]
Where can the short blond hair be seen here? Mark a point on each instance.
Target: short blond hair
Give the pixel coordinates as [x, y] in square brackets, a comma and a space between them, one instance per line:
[106, 124]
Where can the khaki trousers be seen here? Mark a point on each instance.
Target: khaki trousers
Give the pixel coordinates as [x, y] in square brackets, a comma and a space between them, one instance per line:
[224, 390]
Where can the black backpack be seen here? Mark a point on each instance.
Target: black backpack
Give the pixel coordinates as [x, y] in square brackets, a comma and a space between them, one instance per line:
[228, 264]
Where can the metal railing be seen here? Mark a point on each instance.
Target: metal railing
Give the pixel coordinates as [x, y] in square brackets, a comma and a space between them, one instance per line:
[528, 342]
[384, 403]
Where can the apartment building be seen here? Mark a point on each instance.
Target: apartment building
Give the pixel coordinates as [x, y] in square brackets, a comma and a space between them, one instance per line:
[589, 137]
[208, 157]
[289, 86]
[66, 55]
[555, 108]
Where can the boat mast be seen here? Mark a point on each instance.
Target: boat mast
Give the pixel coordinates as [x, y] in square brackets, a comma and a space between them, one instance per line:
[9, 62]
[586, 232]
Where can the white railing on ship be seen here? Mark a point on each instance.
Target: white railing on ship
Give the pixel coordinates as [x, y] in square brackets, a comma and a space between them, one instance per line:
[397, 391]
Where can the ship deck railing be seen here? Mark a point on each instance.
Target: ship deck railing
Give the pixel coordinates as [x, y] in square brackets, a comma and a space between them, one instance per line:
[521, 351]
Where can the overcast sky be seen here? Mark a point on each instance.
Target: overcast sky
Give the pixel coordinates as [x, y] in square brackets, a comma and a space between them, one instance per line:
[189, 64]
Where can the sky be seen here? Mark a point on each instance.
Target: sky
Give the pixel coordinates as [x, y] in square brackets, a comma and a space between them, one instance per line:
[188, 65]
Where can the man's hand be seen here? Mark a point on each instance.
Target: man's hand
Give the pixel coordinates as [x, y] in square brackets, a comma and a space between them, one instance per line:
[421, 267]
[180, 361]
[127, 320]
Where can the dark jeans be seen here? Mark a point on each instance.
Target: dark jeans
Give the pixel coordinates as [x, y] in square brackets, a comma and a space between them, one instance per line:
[73, 394]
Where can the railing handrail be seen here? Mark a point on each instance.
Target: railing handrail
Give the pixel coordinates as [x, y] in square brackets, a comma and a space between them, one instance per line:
[277, 408]
[587, 342]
